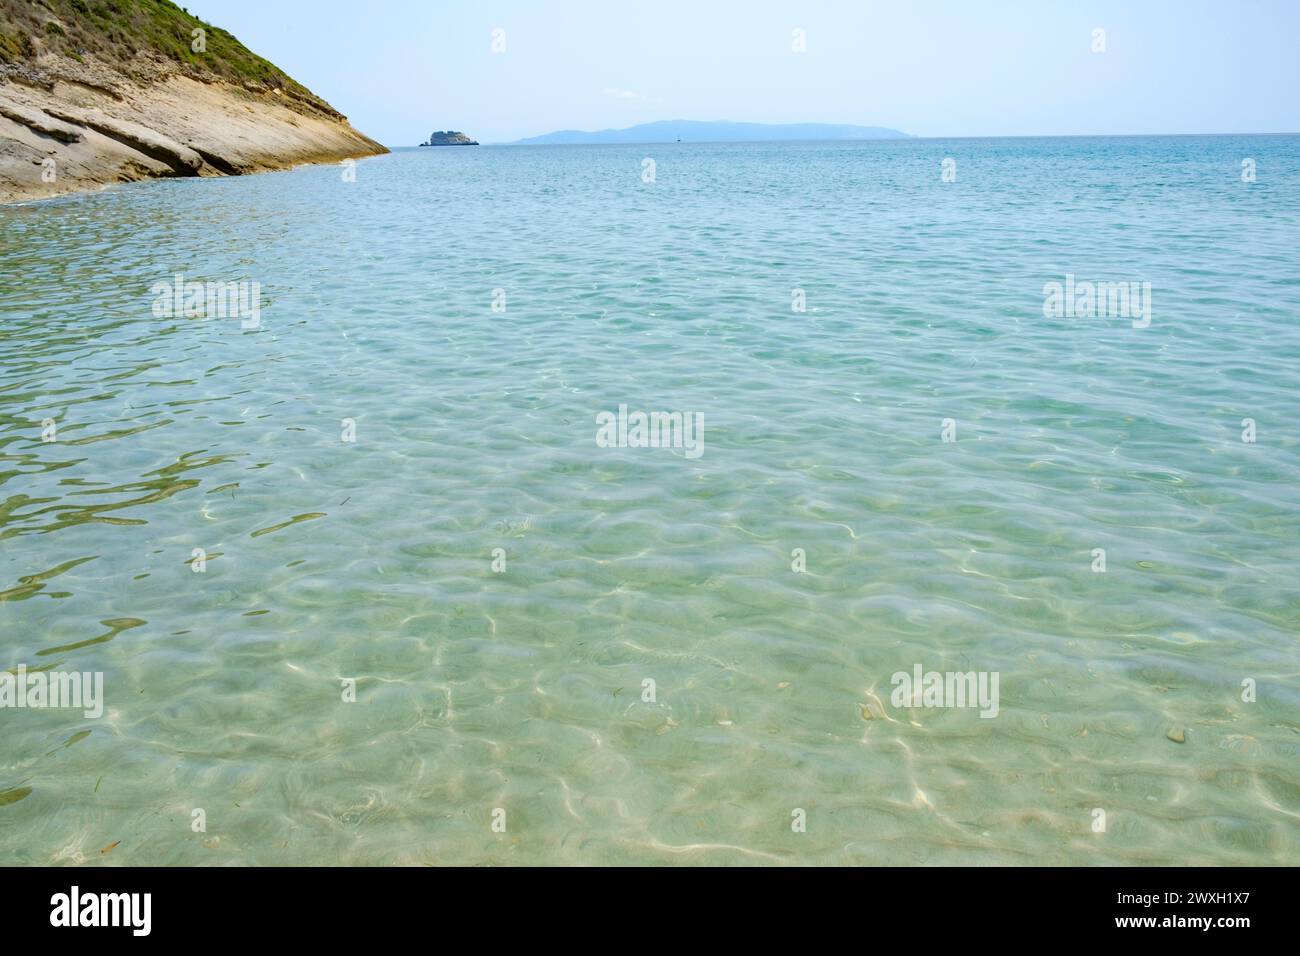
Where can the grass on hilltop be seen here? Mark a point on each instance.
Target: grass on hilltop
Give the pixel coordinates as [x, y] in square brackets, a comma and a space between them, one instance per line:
[112, 32]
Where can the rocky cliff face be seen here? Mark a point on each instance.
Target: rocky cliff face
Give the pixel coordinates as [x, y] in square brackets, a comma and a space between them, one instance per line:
[105, 91]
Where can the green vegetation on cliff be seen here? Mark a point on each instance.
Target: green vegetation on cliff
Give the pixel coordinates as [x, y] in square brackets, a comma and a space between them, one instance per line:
[115, 33]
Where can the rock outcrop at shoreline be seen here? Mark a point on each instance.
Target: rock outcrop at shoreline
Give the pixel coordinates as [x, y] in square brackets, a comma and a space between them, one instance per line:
[94, 92]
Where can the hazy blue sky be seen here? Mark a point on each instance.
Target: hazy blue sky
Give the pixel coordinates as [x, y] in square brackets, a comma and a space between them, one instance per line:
[402, 68]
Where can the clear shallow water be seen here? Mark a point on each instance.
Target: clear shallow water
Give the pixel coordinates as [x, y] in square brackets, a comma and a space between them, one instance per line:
[522, 690]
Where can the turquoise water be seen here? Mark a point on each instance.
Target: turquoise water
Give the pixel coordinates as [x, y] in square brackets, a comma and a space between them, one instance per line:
[521, 689]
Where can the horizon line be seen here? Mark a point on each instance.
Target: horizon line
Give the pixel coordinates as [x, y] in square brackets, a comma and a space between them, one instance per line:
[883, 139]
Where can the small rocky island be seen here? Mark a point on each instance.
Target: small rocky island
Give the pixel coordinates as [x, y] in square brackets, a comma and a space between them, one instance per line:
[449, 138]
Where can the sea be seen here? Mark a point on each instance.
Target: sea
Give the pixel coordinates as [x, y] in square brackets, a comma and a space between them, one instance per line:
[881, 503]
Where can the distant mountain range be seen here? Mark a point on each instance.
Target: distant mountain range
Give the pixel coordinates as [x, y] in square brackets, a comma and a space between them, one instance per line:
[695, 131]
